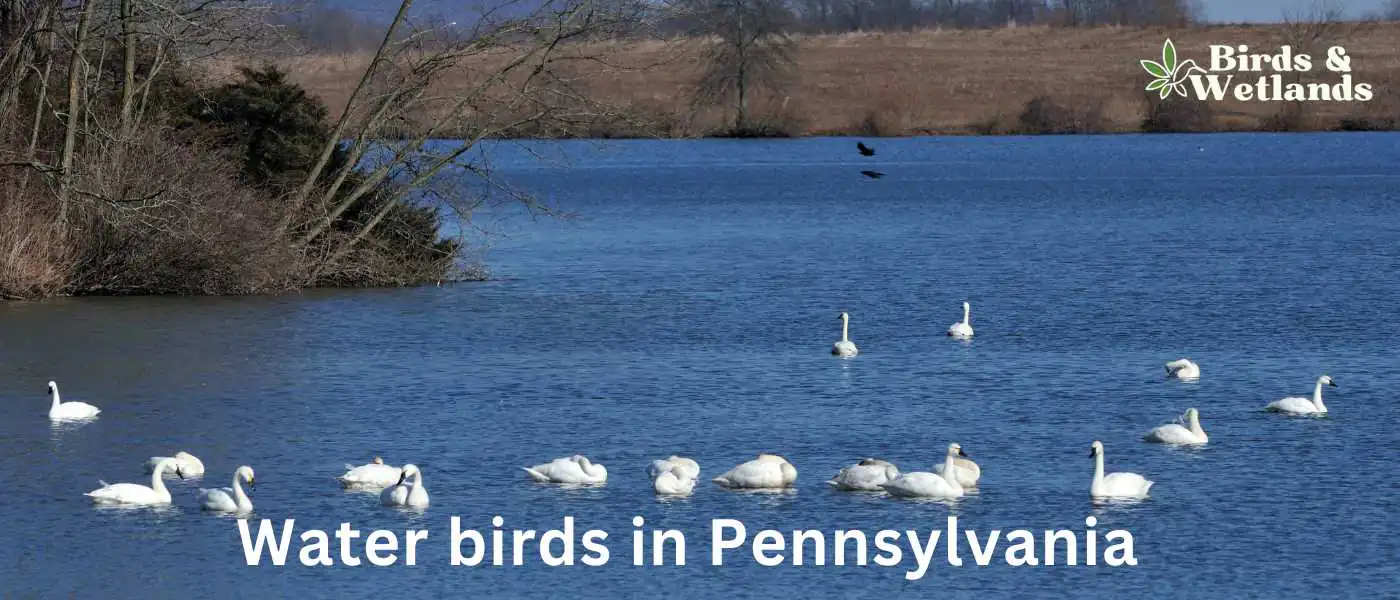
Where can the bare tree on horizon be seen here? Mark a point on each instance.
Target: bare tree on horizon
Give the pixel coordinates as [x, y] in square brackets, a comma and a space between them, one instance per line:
[748, 50]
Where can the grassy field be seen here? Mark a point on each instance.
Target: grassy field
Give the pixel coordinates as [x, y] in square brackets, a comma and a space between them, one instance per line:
[953, 81]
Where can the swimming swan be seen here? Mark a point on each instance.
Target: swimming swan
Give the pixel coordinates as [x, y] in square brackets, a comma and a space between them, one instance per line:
[845, 347]
[673, 480]
[670, 484]
[1296, 405]
[865, 476]
[573, 469]
[373, 475]
[1183, 368]
[229, 499]
[189, 465]
[60, 410]
[133, 494]
[922, 484]
[962, 329]
[968, 472]
[767, 472]
[683, 467]
[1115, 485]
[403, 493]
[1187, 431]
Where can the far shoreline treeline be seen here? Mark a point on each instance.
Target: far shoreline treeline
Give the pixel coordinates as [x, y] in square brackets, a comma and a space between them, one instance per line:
[1005, 81]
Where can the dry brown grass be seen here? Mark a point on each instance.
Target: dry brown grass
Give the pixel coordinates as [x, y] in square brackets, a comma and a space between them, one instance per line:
[36, 259]
[937, 81]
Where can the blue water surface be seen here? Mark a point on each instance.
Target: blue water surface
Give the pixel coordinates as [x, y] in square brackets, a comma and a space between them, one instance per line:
[689, 305]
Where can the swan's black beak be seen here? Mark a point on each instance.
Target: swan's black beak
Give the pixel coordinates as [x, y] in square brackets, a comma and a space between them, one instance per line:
[1331, 383]
[961, 453]
[252, 484]
[1092, 452]
[180, 472]
[402, 475]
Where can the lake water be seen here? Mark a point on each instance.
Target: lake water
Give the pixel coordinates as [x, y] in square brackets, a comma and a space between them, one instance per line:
[690, 308]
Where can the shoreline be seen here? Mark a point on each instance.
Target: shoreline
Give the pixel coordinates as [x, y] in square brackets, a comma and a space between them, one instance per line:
[965, 82]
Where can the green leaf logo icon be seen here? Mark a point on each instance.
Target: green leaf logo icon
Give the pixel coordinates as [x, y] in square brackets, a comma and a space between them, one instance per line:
[1169, 75]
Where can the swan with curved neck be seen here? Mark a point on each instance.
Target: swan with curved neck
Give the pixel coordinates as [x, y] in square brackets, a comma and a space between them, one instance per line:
[230, 499]
[1188, 431]
[406, 493]
[1297, 405]
[684, 468]
[866, 476]
[576, 469]
[673, 476]
[923, 484]
[374, 475]
[766, 472]
[60, 410]
[1115, 485]
[967, 471]
[133, 494]
[190, 465]
[845, 347]
[962, 329]
[1183, 368]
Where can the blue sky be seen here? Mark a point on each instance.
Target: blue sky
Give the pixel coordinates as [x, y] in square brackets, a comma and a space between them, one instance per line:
[1273, 10]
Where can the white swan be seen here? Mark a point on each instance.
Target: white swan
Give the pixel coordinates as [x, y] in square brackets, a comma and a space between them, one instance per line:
[670, 484]
[967, 471]
[962, 329]
[373, 475]
[1115, 485]
[229, 499]
[403, 493]
[922, 484]
[866, 476]
[683, 467]
[1296, 405]
[134, 494]
[1183, 368]
[673, 480]
[845, 347]
[1187, 431]
[767, 472]
[60, 410]
[573, 469]
[190, 466]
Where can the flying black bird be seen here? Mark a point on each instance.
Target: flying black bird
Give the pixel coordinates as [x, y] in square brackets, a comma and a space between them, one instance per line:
[864, 149]
[872, 174]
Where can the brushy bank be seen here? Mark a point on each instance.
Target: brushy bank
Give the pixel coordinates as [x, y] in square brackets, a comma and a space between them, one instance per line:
[125, 170]
[194, 203]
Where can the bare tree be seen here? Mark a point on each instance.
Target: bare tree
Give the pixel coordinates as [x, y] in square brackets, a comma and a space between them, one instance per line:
[1308, 31]
[749, 51]
[517, 66]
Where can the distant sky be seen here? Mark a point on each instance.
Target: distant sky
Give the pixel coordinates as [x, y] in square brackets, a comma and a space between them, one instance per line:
[1273, 10]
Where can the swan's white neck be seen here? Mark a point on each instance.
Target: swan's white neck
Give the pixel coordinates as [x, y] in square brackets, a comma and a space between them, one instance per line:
[1317, 397]
[845, 328]
[417, 490]
[948, 474]
[239, 497]
[1195, 424]
[53, 391]
[967, 314]
[158, 481]
[1098, 466]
